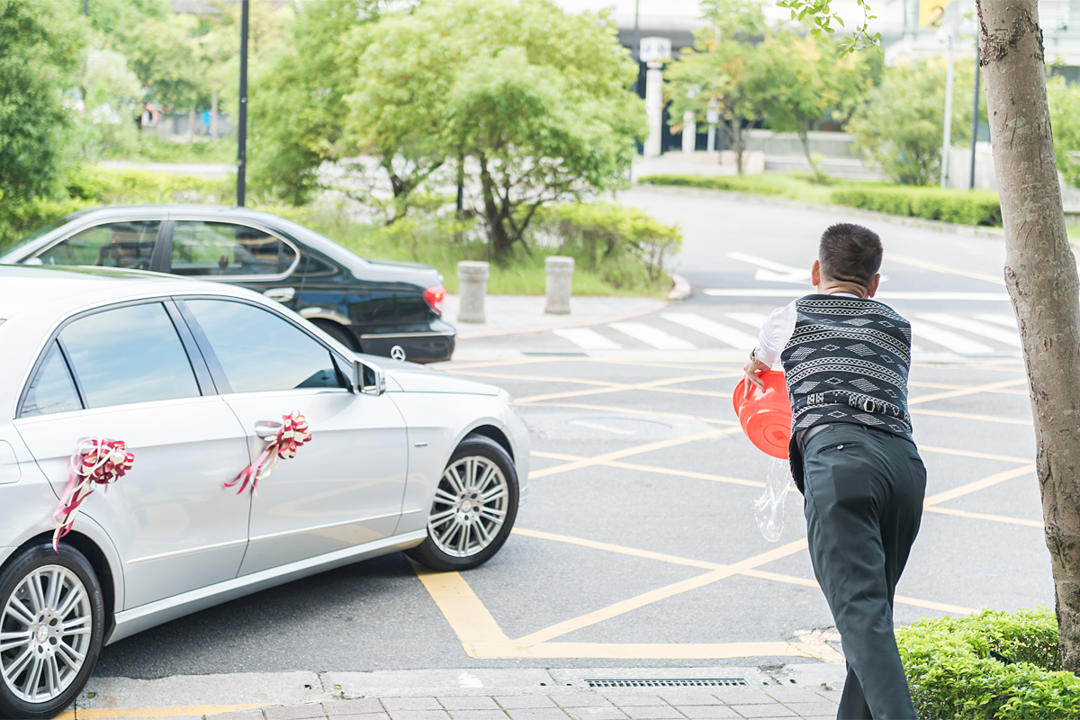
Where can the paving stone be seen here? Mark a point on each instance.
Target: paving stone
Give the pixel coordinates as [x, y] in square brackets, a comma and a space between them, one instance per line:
[742, 695]
[419, 715]
[469, 702]
[294, 712]
[652, 712]
[597, 713]
[831, 695]
[767, 710]
[792, 694]
[359, 706]
[522, 702]
[239, 715]
[478, 714]
[581, 700]
[358, 716]
[813, 708]
[708, 712]
[410, 703]
[690, 697]
[547, 713]
[626, 699]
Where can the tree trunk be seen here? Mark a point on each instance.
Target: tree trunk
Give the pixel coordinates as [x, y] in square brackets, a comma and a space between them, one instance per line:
[191, 124]
[737, 141]
[214, 114]
[1040, 273]
[498, 239]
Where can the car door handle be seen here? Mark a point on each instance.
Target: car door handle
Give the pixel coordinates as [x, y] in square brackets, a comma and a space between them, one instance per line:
[267, 429]
[281, 294]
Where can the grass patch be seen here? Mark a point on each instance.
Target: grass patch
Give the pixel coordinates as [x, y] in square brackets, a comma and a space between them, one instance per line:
[152, 148]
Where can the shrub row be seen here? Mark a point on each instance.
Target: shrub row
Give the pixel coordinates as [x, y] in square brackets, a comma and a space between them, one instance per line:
[965, 207]
[991, 666]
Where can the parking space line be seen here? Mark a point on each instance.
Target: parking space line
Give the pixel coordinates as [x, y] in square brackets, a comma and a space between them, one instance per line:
[973, 390]
[971, 416]
[976, 485]
[166, 711]
[986, 516]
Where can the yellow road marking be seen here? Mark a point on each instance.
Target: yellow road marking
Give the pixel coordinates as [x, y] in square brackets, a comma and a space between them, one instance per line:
[634, 411]
[618, 549]
[986, 516]
[968, 391]
[468, 616]
[626, 452]
[652, 385]
[902, 599]
[973, 454]
[651, 469]
[598, 426]
[949, 386]
[915, 262]
[971, 416]
[977, 485]
[156, 712]
[669, 651]
[624, 606]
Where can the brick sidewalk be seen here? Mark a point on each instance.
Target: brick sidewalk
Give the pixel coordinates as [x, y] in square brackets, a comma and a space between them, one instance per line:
[722, 702]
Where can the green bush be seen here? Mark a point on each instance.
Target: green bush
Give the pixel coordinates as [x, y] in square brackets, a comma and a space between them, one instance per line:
[991, 666]
[964, 207]
[620, 243]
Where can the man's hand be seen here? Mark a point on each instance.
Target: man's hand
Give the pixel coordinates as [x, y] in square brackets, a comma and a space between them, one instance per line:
[750, 372]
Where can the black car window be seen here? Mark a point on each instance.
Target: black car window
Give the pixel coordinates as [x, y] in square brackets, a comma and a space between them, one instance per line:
[216, 248]
[130, 354]
[259, 350]
[127, 244]
[51, 390]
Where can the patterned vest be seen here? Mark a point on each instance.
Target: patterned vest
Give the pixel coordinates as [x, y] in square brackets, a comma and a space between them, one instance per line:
[848, 361]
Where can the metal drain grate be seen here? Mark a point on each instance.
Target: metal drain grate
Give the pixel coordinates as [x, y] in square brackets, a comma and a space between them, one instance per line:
[664, 682]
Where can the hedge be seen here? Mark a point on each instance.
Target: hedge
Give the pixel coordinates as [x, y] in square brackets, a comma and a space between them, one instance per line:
[964, 207]
[991, 666]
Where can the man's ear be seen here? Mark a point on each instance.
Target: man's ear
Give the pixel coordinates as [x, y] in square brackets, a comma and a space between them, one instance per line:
[873, 285]
[815, 273]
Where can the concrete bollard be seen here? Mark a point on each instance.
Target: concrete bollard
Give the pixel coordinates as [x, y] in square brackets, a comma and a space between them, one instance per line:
[560, 273]
[472, 281]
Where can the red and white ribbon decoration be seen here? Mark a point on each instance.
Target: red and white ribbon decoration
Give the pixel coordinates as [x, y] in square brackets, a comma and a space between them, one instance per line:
[291, 435]
[96, 461]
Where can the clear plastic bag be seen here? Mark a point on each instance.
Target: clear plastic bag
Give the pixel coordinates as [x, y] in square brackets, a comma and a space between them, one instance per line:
[769, 508]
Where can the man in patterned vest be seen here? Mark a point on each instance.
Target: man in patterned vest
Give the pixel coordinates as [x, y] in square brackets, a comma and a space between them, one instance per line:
[846, 360]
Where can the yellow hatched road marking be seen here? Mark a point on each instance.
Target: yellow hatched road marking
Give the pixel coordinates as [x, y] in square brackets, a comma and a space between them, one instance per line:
[671, 651]
[986, 516]
[167, 711]
[652, 386]
[615, 409]
[651, 469]
[973, 454]
[971, 416]
[598, 426]
[968, 391]
[949, 386]
[977, 485]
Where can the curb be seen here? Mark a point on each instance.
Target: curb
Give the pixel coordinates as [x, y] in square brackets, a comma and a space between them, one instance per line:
[921, 223]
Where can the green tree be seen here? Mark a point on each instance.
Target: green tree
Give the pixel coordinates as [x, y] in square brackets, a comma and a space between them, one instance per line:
[900, 125]
[40, 51]
[1064, 102]
[297, 100]
[111, 95]
[719, 72]
[533, 100]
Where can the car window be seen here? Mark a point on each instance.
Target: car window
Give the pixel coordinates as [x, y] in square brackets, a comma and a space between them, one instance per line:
[128, 244]
[215, 248]
[259, 350]
[130, 354]
[51, 390]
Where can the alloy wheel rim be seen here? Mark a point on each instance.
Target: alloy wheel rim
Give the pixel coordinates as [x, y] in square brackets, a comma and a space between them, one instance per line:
[45, 633]
[470, 507]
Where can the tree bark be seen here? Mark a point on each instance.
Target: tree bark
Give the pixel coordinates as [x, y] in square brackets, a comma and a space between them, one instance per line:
[498, 239]
[1040, 273]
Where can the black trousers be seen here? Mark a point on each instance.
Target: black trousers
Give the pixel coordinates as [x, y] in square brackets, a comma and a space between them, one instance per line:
[863, 492]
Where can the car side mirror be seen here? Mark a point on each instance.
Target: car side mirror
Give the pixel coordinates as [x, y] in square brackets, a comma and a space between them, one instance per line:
[368, 379]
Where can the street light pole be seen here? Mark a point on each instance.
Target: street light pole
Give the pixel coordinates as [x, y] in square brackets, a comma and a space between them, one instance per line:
[241, 141]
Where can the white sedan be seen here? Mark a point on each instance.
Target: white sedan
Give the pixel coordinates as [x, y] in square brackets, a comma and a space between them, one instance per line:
[197, 380]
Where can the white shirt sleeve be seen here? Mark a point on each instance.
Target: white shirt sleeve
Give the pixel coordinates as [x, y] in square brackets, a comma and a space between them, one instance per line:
[775, 334]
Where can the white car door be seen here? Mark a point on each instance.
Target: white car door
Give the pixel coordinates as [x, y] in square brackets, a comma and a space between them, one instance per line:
[174, 525]
[343, 489]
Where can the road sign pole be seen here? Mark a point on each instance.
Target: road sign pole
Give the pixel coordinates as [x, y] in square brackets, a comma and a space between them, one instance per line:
[946, 141]
[241, 139]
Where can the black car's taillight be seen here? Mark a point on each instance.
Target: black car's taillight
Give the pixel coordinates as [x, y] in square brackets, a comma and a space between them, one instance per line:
[434, 297]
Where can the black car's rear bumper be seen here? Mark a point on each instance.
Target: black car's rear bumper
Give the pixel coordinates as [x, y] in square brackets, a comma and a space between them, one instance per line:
[424, 347]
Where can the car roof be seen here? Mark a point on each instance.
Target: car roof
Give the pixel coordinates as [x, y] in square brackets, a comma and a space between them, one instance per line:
[51, 291]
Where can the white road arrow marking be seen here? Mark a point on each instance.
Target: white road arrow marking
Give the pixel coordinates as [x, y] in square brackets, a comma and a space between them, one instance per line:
[769, 271]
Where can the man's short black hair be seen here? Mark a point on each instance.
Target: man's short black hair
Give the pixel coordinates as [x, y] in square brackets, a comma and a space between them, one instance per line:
[850, 253]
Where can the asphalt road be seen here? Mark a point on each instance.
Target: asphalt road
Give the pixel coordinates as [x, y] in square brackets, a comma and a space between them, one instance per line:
[637, 542]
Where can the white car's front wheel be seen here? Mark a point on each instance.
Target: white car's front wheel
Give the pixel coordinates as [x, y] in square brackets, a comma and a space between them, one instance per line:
[474, 508]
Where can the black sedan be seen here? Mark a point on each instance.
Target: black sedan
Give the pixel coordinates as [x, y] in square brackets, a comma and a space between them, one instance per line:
[375, 306]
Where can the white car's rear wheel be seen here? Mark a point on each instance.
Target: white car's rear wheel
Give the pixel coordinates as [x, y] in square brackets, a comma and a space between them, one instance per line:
[473, 509]
[51, 624]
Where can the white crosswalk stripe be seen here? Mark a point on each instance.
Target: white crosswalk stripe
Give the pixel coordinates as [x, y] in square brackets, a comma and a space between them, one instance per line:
[651, 336]
[1009, 337]
[587, 339]
[924, 331]
[705, 326]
